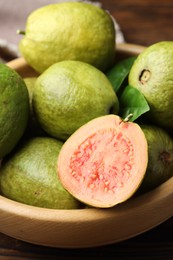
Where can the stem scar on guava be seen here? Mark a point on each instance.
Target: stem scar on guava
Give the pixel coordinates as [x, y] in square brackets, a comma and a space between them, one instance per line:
[165, 158]
[144, 76]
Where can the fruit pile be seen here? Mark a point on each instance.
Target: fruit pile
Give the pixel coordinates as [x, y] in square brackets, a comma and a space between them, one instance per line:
[86, 130]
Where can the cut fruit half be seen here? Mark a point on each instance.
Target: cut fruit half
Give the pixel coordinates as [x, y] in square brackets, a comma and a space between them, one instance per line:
[103, 163]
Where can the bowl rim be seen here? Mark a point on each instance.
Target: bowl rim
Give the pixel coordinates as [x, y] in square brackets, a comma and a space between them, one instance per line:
[133, 215]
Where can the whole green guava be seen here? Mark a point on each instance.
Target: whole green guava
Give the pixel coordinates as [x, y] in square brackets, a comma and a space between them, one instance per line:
[69, 94]
[152, 74]
[160, 154]
[14, 109]
[30, 176]
[68, 31]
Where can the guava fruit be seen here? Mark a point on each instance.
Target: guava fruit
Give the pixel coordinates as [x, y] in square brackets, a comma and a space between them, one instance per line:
[33, 128]
[103, 163]
[14, 109]
[69, 94]
[160, 157]
[30, 82]
[68, 31]
[152, 74]
[29, 175]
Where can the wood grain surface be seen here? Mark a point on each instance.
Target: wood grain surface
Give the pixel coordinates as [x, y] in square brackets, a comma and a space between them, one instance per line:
[156, 244]
[142, 22]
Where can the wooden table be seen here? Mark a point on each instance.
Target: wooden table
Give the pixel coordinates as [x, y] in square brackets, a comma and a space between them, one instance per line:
[142, 22]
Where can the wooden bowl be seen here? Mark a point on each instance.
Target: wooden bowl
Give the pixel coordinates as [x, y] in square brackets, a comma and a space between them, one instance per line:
[86, 227]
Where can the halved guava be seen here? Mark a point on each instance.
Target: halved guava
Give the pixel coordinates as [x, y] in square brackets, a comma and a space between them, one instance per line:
[104, 162]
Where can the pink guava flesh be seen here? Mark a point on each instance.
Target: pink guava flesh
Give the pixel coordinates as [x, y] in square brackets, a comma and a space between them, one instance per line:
[102, 163]
[94, 166]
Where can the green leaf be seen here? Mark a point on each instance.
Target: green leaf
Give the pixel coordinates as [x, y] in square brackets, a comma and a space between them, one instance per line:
[119, 72]
[133, 102]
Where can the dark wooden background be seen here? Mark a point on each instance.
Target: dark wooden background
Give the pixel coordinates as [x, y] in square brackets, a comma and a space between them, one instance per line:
[142, 22]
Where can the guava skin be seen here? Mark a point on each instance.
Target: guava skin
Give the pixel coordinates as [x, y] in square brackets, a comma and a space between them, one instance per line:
[69, 94]
[33, 128]
[14, 112]
[160, 160]
[68, 31]
[29, 175]
[152, 74]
